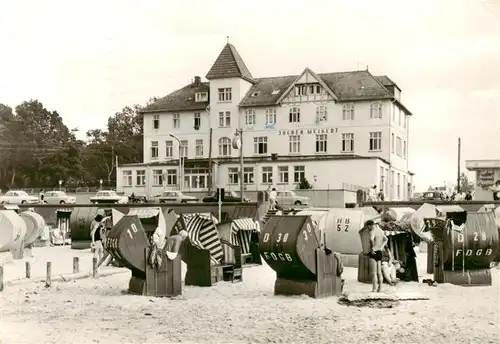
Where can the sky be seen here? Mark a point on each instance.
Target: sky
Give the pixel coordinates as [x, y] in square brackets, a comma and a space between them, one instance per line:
[88, 59]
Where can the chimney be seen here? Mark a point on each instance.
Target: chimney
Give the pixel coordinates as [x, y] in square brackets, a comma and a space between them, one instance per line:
[197, 81]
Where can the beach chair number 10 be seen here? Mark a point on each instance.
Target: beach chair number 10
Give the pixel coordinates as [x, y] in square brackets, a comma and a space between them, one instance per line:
[132, 229]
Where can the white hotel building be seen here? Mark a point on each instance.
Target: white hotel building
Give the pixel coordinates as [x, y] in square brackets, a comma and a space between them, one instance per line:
[333, 128]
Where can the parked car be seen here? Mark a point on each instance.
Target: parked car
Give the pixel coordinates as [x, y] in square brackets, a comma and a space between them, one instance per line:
[58, 197]
[229, 197]
[289, 198]
[108, 196]
[237, 195]
[18, 197]
[176, 197]
[433, 196]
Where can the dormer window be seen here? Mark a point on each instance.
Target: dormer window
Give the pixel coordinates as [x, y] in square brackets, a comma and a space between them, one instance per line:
[275, 92]
[201, 97]
[255, 94]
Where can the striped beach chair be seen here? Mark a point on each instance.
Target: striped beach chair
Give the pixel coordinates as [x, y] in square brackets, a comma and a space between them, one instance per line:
[241, 233]
[202, 233]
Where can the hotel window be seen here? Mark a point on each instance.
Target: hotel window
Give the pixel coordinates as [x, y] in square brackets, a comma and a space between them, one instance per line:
[169, 149]
[321, 141]
[392, 143]
[405, 120]
[348, 112]
[201, 97]
[400, 115]
[171, 177]
[399, 146]
[321, 113]
[294, 143]
[225, 94]
[176, 120]
[224, 146]
[300, 90]
[347, 143]
[197, 121]
[154, 149]
[392, 183]
[404, 149]
[270, 116]
[381, 185]
[127, 178]
[294, 115]
[233, 175]
[375, 141]
[260, 145]
[399, 186]
[283, 174]
[250, 117]
[248, 174]
[404, 187]
[376, 110]
[157, 177]
[140, 178]
[224, 119]
[386, 181]
[267, 175]
[156, 122]
[299, 174]
[199, 147]
[184, 148]
[314, 89]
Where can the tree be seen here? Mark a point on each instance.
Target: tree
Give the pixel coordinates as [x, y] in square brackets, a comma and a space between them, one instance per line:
[38, 149]
[304, 185]
[41, 149]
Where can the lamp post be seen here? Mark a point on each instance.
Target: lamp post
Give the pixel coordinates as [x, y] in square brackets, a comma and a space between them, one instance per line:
[60, 183]
[180, 159]
[238, 144]
[100, 184]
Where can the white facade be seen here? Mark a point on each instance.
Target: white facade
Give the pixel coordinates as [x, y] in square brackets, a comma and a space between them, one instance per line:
[312, 133]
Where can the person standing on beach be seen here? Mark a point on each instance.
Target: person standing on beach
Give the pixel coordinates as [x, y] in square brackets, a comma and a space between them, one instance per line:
[378, 240]
[96, 236]
[496, 190]
[41, 196]
[272, 199]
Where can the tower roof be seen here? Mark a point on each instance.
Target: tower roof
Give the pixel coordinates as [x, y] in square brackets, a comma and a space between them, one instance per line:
[229, 64]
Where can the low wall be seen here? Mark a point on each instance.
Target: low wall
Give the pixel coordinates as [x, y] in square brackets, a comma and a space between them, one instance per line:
[318, 198]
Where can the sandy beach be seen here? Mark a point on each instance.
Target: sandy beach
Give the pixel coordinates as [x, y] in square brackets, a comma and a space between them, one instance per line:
[97, 311]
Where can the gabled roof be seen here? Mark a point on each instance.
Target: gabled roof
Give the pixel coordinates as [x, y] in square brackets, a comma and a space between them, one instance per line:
[181, 100]
[347, 86]
[229, 64]
[314, 75]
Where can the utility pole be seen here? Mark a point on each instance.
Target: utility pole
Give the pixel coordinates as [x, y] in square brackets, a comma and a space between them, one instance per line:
[237, 143]
[116, 172]
[242, 182]
[210, 167]
[458, 167]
